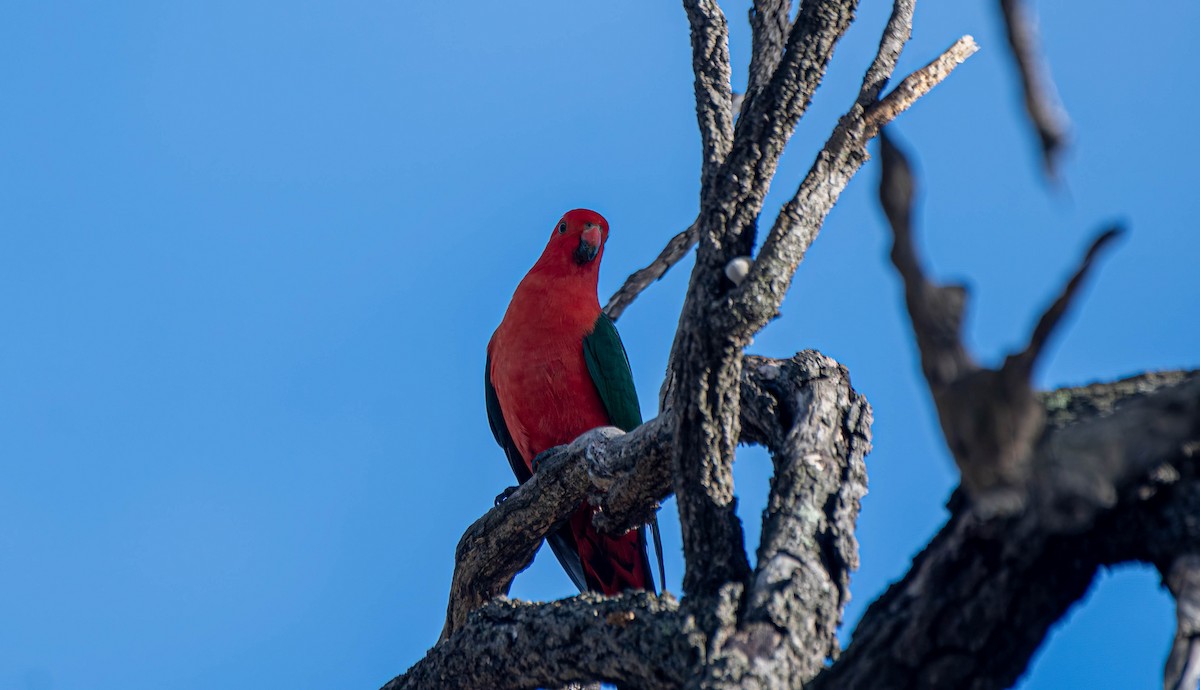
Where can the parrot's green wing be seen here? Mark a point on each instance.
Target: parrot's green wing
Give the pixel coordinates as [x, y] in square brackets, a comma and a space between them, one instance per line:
[609, 367]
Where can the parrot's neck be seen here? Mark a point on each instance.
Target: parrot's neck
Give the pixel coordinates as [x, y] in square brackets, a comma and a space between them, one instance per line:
[565, 305]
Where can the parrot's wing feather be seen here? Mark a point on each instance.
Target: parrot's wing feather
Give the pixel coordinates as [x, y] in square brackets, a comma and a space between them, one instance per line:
[560, 540]
[563, 545]
[499, 428]
[662, 572]
[609, 367]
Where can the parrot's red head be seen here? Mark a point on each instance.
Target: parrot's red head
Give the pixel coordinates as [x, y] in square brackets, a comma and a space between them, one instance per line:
[576, 243]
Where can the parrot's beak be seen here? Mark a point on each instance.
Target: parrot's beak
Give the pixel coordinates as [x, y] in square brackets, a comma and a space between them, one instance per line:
[589, 245]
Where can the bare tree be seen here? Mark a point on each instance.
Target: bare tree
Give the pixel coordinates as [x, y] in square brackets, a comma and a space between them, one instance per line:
[1055, 485]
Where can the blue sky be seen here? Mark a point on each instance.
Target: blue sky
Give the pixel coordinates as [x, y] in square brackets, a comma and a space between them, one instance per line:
[251, 253]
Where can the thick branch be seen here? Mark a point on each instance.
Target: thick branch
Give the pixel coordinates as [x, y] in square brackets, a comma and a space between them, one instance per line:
[1182, 670]
[979, 599]
[731, 201]
[637, 640]
[624, 475]
[970, 613]
[705, 361]
[1080, 470]
[817, 429]
[710, 62]
[769, 25]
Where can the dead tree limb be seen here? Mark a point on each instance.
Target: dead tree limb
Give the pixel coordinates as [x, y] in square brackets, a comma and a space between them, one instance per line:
[1045, 110]
[1182, 577]
[978, 601]
[639, 280]
[636, 639]
[991, 418]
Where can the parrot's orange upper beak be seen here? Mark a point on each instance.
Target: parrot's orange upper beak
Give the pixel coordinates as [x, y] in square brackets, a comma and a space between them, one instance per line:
[589, 244]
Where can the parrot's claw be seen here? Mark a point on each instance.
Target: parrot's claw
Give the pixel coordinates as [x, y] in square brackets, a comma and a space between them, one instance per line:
[541, 457]
[503, 495]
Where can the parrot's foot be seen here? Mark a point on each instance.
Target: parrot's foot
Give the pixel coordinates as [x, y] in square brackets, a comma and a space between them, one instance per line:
[542, 457]
[503, 495]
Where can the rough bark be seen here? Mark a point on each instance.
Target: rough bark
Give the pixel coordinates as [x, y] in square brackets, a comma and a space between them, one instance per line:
[818, 434]
[1182, 577]
[637, 639]
[978, 601]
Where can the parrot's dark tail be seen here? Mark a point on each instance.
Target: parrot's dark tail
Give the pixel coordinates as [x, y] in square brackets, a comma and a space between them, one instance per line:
[658, 552]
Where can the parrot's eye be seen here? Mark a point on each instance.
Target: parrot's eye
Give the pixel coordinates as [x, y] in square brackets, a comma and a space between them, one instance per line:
[562, 227]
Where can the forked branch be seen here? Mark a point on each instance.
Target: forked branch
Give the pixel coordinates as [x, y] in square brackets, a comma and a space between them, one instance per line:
[991, 418]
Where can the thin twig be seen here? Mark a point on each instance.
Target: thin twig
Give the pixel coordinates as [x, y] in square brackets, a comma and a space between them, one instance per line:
[1027, 358]
[896, 33]
[919, 83]
[844, 152]
[1046, 112]
[677, 248]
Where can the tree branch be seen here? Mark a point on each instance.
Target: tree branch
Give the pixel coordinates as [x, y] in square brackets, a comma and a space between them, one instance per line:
[1028, 358]
[978, 601]
[990, 417]
[817, 429]
[710, 62]
[502, 542]
[731, 201]
[756, 301]
[636, 639]
[1045, 110]
[999, 583]
[919, 83]
[639, 280]
[1081, 469]
[896, 33]
[623, 475]
[769, 26]
[936, 310]
[1182, 670]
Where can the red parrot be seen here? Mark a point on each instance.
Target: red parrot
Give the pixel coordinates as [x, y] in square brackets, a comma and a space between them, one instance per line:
[555, 369]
